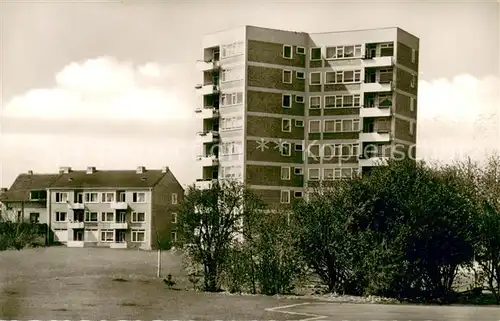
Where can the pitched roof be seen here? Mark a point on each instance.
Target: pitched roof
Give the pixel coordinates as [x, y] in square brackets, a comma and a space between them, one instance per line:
[108, 179]
[24, 183]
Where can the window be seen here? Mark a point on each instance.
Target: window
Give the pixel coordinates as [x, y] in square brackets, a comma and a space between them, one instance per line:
[314, 174]
[286, 101]
[329, 101]
[122, 197]
[173, 236]
[60, 216]
[230, 148]
[285, 173]
[107, 217]
[231, 99]
[315, 78]
[287, 52]
[139, 197]
[315, 102]
[339, 52]
[298, 171]
[91, 198]
[314, 126]
[412, 128]
[313, 151]
[38, 195]
[412, 104]
[34, 217]
[299, 123]
[61, 197]
[330, 126]
[328, 174]
[232, 49]
[300, 74]
[286, 149]
[174, 198]
[138, 235]
[138, 217]
[299, 99]
[174, 218]
[301, 50]
[316, 53]
[285, 197]
[413, 55]
[286, 125]
[107, 197]
[91, 217]
[299, 147]
[287, 77]
[107, 235]
[413, 81]
[298, 194]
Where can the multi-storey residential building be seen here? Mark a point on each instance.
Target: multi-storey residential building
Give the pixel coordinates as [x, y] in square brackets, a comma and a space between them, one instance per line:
[285, 110]
[109, 208]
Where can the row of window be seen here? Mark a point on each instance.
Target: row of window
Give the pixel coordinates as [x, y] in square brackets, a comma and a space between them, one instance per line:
[330, 125]
[232, 49]
[230, 148]
[138, 217]
[106, 197]
[231, 99]
[230, 123]
[331, 77]
[333, 52]
[231, 172]
[329, 101]
[232, 74]
[332, 173]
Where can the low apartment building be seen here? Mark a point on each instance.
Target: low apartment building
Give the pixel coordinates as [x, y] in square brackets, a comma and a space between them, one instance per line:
[26, 199]
[111, 208]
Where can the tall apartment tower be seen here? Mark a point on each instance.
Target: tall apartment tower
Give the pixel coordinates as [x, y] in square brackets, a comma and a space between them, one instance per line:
[283, 111]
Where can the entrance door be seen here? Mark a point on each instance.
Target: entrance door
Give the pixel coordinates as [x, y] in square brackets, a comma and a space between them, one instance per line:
[77, 235]
[120, 236]
[120, 217]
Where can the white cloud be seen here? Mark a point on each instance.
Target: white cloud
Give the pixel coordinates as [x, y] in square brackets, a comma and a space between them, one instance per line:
[458, 117]
[103, 88]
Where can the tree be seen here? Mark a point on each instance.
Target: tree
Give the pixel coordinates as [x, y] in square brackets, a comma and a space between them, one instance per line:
[323, 234]
[18, 235]
[211, 222]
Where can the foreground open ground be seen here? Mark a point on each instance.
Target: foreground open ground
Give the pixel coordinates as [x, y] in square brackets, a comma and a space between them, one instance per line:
[61, 283]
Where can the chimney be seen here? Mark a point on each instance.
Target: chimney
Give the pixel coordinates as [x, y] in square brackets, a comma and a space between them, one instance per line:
[164, 169]
[90, 170]
[30, 172]
[64, 170]
[140, 169]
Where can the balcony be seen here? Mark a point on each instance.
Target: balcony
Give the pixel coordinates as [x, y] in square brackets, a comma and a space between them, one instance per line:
[373, 161]
[208, 89]
[204, 184]
[118, 245]
[206, 161]
[207, 112]
[375, 111]
[207, 65]
[76, 206]
[377, 87]
[378, 62]
[118, 225]
[375, 136]
[119, 205]
[209, 137]
[76, 225]
[75, 244]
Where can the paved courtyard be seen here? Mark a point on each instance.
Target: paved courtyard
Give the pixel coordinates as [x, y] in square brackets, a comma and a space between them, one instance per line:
[104, 284]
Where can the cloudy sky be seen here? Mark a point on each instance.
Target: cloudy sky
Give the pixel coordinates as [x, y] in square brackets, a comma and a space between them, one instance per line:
[111, 83]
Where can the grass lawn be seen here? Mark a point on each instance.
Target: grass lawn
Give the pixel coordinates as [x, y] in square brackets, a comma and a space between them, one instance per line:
[93, 283]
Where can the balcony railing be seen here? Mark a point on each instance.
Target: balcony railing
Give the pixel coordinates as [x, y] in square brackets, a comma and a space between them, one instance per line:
[75, 244]
[118, 245]
[119, 205]
[76, 225]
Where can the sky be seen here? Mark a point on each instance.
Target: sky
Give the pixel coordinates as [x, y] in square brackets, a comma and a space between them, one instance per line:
[111, 83]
